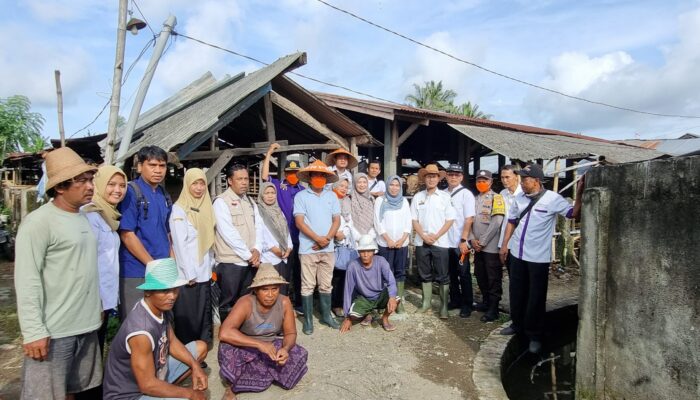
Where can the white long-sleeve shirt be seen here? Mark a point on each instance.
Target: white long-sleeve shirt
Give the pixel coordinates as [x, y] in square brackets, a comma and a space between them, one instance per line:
[510, 200]
[394, 222]
[225, 227]
[107, 259]
[186, 248]
[268, 242]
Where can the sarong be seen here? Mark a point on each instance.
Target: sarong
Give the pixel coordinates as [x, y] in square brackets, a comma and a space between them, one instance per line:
[249, 370]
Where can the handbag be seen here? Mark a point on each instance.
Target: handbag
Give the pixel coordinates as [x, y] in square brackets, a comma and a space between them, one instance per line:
[343, 256]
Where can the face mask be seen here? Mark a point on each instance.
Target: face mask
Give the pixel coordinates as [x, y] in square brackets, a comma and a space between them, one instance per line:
[483, 187]
[292, 178]
[318, 182]
[337, 193]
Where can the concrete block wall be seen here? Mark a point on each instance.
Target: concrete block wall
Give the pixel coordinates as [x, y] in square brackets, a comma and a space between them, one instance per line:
[639, 310]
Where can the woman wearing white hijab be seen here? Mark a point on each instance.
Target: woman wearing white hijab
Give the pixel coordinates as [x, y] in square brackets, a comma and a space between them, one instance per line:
[192, 230]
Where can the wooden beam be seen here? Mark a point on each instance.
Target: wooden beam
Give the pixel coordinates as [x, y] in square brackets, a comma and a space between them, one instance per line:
[246, 151]
[298, 113]
[220, 163]
[195, 141]
[265, 145]
[269, 120]
[353, 150]
[407, 133]
[388, 148]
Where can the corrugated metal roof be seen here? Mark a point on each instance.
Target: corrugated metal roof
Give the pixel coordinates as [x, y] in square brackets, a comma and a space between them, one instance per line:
[674, 147]
[529, 146]
[204, 111]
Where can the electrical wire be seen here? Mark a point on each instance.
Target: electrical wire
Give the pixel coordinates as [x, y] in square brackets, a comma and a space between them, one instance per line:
[490, 71]
[144, 17]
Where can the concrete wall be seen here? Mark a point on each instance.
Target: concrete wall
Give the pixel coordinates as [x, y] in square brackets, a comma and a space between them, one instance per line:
[639, 311]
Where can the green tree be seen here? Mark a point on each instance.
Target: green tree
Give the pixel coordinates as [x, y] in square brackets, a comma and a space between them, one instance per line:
[20, 129]
[470, 110]
[432, 96]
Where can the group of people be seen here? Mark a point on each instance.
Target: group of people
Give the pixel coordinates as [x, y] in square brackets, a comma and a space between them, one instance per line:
[104, 243]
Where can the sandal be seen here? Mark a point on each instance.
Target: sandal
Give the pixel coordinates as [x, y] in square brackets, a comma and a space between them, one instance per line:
[367, 321]
[389, 327]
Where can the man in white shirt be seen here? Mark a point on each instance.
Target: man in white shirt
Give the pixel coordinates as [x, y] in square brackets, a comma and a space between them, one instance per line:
[341, 162]
[376, 186]
[238, 239]
[461, 293]
[433, 215]
[511, 189]
[528, 239]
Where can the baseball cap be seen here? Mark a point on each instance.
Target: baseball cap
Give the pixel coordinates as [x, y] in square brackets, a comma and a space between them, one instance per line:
[532, 170]
[484, 173]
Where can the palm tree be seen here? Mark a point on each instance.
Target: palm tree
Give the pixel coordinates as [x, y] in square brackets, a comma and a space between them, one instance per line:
[20, 129]
[470, 110]
[432, 96]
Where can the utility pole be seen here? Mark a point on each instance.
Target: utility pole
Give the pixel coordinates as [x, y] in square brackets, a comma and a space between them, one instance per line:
[59, 94]
[168, 27]
[116, 83]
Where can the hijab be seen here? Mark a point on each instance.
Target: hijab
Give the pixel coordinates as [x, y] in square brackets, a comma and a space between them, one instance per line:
[391, 202]
[362, 206]
[199, 212]
[99, 203]
[345, 207]
[273, 218]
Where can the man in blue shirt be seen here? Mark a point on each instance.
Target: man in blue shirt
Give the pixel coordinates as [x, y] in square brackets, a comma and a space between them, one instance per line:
[317, 215]
[143, 227]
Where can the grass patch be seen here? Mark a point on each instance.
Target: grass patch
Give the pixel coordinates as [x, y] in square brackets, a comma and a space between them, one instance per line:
[503, 318]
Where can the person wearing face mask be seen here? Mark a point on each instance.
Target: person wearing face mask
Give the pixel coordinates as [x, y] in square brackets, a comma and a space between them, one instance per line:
[490, 208]
[317, 215]
[344, 245]
[192, 229]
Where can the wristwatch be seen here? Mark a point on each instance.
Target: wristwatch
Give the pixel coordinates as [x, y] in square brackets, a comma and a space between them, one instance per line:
[463, 240]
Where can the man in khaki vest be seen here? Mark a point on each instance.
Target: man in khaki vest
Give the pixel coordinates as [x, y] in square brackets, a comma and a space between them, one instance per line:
[238, 239]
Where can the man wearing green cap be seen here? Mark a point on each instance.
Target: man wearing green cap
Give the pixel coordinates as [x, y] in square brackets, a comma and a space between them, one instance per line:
[146, 360]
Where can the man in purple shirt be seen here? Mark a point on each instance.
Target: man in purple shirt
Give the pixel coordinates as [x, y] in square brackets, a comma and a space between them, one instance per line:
[287, 189]
[369, 285]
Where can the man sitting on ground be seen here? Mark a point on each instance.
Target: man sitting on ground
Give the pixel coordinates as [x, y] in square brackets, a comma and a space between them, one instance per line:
[146, 360]
[369, 285]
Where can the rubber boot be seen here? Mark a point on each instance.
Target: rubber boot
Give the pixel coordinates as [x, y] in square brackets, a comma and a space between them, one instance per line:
[492, 313]
[326, 316]
[427, 297]
[400, 290]
[444, 297]
[307, 303]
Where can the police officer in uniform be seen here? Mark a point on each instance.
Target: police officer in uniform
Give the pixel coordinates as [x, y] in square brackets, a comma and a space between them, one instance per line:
[484, 237]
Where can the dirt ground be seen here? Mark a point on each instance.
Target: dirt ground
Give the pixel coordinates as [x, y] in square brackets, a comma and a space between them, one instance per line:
[425, 358]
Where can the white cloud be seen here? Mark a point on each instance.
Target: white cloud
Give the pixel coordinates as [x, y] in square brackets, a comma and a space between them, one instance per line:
[62, 11]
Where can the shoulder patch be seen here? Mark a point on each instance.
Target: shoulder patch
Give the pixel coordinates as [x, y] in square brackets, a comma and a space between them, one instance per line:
[499, 205]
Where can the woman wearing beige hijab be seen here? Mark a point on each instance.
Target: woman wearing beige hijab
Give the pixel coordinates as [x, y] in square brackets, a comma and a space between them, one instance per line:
[110, 189]
[192, 230]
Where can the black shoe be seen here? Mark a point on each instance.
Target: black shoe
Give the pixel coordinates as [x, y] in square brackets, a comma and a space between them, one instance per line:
[535, 347]
[507, 331]
[465, 312]
[488, 317]
[481, 307]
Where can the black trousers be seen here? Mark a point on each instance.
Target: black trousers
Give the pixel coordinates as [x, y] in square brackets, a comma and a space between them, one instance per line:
[489, 275]
[192, 313]
[234, 281]
[461, 292]
[283, 269]
[528, 296]
[338, 283]
[295, 270]
[397, 259]
[433, 264]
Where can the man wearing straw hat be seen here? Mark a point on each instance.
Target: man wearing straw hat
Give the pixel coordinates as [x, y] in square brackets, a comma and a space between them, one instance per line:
[58, 298]
[146, 360]
[317, 215]
[341, 162]
[433, 215]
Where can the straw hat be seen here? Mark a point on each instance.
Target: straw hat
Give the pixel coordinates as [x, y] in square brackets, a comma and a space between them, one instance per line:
[64, 164]
[430, 169]
[162, 274]
[352, 161]
[317, 166]
[267, 275]
[366, 242]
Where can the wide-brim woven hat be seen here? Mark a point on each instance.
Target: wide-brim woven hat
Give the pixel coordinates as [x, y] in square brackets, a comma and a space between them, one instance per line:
[267, 275]
[430, 169]
[317, 166]
[64, 164]
[162, 274]
[352, 161]
[367, 242]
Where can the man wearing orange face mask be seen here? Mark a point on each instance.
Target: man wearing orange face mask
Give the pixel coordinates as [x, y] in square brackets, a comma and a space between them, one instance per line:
[490, 210]
[287, 189]
[317, 215]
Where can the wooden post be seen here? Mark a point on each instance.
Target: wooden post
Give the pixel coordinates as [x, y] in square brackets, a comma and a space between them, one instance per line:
[59, 94]
[389, 148]
[269, 120]
[213, 146]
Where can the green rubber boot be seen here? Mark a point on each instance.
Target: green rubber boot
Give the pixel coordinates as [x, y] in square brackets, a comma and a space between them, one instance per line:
[326, 316]
[307, 303]
[444, 298]
[400, 287]
[427, 297]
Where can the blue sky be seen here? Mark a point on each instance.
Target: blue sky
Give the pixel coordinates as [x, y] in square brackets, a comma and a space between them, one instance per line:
[637, 54]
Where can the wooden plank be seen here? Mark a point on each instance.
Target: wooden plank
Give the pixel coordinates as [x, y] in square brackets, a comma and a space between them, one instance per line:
[265, 145]
[353, 150]
[245, 151]
[197, 140]
[298, 113]
[407, 133]
[220, 163]
[269, 120]
[388, 148]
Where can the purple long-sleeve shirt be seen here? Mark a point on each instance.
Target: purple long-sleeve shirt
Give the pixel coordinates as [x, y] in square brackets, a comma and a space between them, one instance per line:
[367, 282]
